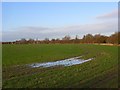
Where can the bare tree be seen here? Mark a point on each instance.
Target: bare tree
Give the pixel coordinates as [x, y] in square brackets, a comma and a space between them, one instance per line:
[88, 38]
[23, 41]
[31, 40]
[114, 38]
[47, 40]
[67, 37]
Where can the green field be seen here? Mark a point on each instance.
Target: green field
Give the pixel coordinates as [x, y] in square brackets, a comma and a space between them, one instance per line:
[102, 72]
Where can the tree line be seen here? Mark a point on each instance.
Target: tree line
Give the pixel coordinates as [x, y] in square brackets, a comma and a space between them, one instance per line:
[88, 38]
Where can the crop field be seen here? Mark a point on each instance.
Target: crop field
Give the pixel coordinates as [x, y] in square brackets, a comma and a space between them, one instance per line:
[101, 72]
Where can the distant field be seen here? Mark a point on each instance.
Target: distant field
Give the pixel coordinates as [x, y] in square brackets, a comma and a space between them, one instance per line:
[100, 72]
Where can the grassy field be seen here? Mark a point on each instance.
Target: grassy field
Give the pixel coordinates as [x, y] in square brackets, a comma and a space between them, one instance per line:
[102, 72]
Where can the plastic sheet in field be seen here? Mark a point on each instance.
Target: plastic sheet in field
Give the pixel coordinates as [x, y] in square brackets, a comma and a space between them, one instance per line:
[65, 62]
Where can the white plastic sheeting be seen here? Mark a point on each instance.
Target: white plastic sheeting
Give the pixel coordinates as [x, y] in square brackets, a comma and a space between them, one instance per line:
[65, 62]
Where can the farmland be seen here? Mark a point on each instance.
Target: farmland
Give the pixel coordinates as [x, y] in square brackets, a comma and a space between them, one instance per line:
[102, 72]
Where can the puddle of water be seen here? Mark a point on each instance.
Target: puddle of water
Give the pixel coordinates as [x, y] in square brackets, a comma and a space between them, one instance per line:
[65, 62]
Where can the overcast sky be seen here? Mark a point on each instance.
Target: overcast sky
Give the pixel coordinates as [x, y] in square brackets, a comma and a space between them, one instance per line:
[54, 20]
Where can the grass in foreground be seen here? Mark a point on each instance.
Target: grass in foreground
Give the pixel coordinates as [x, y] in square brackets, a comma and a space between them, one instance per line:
[100, 72]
